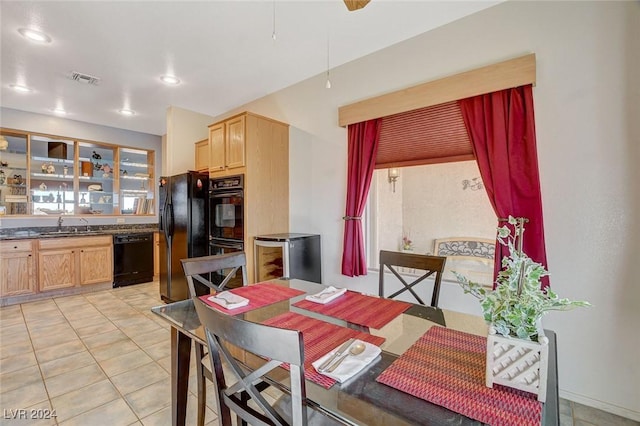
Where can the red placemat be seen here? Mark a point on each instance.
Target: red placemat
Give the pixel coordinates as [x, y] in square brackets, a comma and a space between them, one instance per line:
[319, 338]
[357, 308]
[259, 295]
[447, 367]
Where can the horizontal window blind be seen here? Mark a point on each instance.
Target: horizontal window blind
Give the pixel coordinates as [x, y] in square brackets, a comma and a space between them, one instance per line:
[434, 134]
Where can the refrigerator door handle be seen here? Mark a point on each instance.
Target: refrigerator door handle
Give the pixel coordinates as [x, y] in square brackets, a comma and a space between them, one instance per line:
[170, 224]
[166, 226]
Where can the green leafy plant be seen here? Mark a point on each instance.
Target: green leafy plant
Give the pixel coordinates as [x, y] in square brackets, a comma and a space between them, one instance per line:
[517, 304]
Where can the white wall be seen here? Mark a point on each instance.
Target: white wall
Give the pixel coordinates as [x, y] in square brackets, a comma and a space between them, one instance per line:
[184, 129]
[586, 101]
[56, 126]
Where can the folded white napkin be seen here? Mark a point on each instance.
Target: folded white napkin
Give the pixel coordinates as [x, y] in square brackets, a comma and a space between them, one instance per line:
[352, 363]
[327, 295]
[228, 300]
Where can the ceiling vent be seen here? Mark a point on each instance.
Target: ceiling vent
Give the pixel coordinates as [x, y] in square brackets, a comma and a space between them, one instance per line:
[84, 78]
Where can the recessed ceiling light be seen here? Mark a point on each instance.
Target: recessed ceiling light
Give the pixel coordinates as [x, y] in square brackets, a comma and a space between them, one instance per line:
[170, 79]
[59, 111]
[126, 112]
[34, 35]
[20, 88]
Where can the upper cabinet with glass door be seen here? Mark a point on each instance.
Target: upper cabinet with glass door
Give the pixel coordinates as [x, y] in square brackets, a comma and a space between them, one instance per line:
[96, 184]
[50, 175]
[13, 174]
[52, 169]
[136, 181]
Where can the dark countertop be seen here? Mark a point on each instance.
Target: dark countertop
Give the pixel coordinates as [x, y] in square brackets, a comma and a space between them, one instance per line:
[75, 231]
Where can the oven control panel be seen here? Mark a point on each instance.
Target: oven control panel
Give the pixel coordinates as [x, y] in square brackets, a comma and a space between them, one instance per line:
[228, 182]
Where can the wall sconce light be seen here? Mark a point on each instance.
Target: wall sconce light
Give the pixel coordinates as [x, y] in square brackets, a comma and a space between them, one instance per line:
[393, 177]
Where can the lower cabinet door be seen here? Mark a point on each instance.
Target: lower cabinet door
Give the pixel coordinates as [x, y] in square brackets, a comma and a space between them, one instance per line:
[56, 269]
[96, 265]
[17, 275]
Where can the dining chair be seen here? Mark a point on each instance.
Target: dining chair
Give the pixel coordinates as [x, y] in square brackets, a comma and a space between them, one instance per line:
[239, 388]
[204, 274]
[429, 264]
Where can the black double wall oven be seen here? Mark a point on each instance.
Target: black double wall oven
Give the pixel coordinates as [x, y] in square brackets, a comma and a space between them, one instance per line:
[226, 221]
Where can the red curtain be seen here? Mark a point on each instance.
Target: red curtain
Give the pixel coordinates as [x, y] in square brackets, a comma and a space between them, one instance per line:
[363, 148]
[502, 131]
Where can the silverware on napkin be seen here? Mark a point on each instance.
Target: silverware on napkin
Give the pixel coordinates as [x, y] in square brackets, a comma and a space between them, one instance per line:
[336, 354]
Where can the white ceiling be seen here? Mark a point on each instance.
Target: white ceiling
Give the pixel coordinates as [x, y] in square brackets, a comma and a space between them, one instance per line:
[222, 51]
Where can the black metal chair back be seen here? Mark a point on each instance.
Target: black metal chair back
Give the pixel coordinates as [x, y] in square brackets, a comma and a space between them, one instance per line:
[432, 265]
[198, 271]
[270, 343]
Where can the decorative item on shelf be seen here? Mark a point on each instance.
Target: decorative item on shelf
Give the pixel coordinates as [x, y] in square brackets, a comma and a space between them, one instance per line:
[48, 168]
[124, 172]
[17, 180]
[43, 186]
[65, 170]
[3, 178]
[4, 164]
[49, 198]
[83, 200]
[87, 168]
[95, 187]
[35, 198]
[96, 156]
[106, 169]
[517, 349]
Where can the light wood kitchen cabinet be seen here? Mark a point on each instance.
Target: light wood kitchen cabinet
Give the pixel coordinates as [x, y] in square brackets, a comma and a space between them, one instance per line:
[96, 263]
[17, 263]
[235, 142]
[202, 156]
[258, 148]
[56, 268]
[227, 146]
[74, 261]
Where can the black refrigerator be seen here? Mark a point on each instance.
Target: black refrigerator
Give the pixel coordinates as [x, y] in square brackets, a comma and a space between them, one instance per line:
[184, 229]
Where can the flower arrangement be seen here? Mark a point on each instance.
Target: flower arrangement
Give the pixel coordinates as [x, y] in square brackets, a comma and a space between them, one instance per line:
[407, 244]
[517, 304]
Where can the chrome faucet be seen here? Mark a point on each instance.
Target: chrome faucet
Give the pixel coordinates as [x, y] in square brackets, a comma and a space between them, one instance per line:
[60, 220]
[82, 219]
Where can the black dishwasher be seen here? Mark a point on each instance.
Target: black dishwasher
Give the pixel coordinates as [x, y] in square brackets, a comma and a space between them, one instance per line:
[132, 259]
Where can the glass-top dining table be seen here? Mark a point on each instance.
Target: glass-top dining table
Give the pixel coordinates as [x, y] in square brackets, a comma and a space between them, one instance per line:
[361, 400]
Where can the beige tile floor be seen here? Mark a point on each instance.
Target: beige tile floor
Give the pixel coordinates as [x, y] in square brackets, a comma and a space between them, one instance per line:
[103, 359]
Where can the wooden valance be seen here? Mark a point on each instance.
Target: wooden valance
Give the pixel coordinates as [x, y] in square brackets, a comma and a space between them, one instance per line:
[491, 78]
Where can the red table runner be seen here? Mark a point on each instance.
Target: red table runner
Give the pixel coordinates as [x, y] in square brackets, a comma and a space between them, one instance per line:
[447, 367]
[357, 308]
[259, 295]
[319, 338]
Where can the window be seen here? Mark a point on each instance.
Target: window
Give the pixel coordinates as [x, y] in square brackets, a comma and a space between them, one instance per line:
[432, 202]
